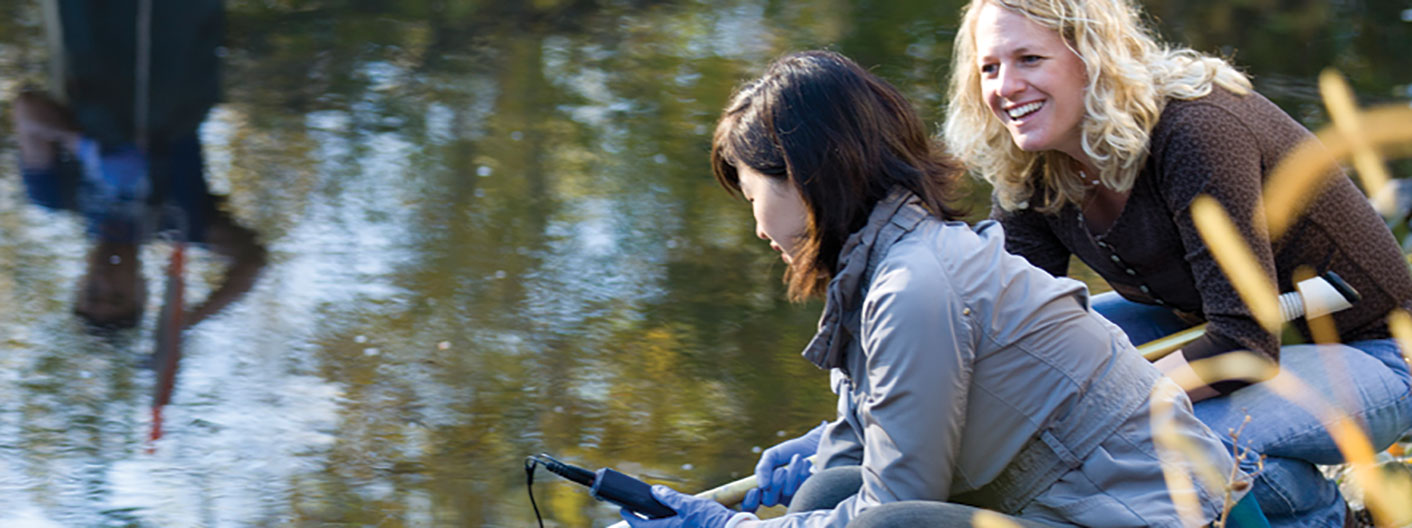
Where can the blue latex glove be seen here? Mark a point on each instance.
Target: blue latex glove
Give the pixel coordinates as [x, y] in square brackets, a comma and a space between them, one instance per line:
[781, 470]
[692, 512]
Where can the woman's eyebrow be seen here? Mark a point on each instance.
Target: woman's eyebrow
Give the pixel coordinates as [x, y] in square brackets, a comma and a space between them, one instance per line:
[1010, 52]
[1019, 50]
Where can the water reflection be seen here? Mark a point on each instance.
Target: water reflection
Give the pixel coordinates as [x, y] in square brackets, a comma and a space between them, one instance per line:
[121, 152]
[491, 233]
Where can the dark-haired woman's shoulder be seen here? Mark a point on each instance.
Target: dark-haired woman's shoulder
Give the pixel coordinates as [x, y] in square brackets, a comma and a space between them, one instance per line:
[1034, 236]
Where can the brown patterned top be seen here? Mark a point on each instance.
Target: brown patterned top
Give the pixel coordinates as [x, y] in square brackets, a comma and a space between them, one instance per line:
[1223, 145]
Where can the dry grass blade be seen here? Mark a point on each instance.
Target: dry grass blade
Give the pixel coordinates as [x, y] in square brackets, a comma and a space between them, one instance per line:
[1400, 324]
[990, 519]
[1301, 172]
[1178, 453]
[1236, 261]
[1343, 110]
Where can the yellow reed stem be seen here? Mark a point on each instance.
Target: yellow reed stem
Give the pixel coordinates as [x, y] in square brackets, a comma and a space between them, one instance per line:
[1236, 261]
[1303, 170]
[990, 519]
[1399, 322]
[1174, 449]
[1343, 111]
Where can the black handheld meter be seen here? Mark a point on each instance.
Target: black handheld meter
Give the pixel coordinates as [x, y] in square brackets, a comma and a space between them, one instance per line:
[610, 485]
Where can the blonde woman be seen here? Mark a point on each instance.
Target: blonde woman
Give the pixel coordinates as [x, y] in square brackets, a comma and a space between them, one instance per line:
[1096, 139]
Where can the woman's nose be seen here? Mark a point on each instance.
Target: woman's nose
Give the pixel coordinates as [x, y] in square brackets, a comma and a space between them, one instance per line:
[1010, 83]
[760, 232]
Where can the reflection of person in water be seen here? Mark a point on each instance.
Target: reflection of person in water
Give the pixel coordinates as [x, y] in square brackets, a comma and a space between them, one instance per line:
[122, 151]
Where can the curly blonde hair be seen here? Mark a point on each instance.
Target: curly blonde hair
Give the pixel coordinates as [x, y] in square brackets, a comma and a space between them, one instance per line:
[1130, 77]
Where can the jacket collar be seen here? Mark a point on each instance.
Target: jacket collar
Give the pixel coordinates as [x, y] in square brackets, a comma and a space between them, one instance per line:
[891, 218]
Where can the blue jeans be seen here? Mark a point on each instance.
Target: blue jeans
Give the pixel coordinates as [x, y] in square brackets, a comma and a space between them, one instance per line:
[1290, 489]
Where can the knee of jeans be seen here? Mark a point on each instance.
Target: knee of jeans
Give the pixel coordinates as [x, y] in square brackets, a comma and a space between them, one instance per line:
[1386, 396]
[1286, 486]
[825, 489]
[1388, 424]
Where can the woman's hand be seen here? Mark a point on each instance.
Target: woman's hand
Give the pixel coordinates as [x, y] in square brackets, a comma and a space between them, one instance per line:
[781, 470]
[692, 512]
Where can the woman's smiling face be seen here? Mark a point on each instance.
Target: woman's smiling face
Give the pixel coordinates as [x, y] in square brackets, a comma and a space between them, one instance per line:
[780, 214]
[1031, 80]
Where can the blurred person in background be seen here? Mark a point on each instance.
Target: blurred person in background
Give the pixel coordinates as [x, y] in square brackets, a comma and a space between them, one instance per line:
[116, 142]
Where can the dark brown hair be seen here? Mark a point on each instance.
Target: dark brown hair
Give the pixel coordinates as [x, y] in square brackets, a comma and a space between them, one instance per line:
[841, 135]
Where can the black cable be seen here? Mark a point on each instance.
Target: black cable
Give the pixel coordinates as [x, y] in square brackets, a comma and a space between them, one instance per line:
[530, 463]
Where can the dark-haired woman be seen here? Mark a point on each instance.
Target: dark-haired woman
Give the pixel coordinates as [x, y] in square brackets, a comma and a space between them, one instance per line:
[967, 379]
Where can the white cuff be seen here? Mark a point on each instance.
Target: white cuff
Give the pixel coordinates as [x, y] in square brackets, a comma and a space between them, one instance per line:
[740, 517]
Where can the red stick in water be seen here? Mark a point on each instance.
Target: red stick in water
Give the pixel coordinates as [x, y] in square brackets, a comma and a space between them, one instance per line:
[167, 353]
